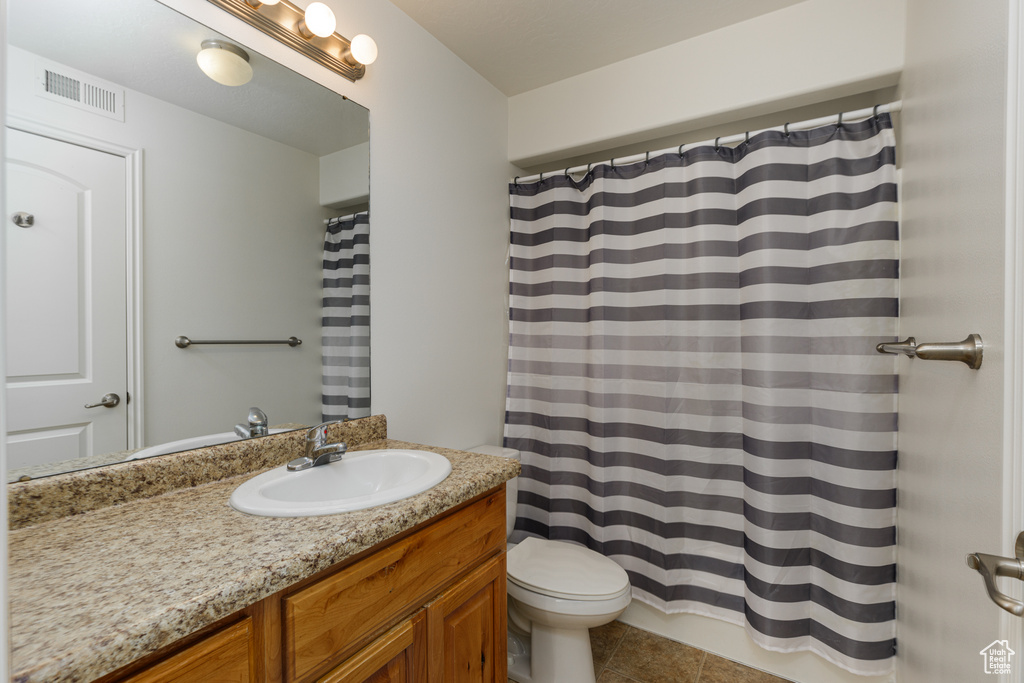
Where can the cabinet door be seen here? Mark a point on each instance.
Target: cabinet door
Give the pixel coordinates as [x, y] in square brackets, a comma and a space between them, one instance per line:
[467, 628]
[224, 657]
[330, 620]
[398, 656]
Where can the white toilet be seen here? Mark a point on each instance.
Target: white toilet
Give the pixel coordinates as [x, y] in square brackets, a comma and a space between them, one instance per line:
[556, 592]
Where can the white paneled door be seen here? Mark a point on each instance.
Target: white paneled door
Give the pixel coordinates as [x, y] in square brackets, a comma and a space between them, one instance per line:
[66, 300]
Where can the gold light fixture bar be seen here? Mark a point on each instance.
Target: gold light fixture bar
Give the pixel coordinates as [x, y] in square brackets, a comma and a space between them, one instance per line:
[281, 21]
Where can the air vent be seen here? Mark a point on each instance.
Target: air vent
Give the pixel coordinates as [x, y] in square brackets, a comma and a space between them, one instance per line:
[80, 90]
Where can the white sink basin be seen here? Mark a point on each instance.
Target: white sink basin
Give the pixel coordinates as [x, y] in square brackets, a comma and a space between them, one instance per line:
[189, 444]
[361, 479]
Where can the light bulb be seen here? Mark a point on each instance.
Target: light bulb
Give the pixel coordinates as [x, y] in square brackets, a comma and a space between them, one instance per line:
[224, 62]
[319, 20]
[363, 49]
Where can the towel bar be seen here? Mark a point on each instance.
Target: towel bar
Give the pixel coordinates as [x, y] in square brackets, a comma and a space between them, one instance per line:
[184, 342]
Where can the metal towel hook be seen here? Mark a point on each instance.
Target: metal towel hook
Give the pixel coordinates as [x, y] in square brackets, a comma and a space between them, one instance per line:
[991, 566]
[968, 351]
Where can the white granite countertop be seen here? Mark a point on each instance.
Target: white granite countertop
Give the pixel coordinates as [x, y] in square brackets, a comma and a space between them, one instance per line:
[94, 591]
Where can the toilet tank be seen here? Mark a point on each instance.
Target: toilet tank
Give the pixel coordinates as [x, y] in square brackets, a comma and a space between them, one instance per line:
[511, 486]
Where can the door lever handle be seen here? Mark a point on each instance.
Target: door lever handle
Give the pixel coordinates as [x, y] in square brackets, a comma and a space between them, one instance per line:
[108, 401]
[991, 566]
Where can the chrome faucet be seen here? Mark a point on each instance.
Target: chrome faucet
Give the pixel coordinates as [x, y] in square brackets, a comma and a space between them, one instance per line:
[318, 451]
[257, 424]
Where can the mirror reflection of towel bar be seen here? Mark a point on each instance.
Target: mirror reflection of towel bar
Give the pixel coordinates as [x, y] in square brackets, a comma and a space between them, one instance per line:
[968, 351]
[184, 342]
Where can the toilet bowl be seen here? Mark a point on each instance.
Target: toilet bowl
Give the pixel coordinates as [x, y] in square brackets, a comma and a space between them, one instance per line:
[557, 591]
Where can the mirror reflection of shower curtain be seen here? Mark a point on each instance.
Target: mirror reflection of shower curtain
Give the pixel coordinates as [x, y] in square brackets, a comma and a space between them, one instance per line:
[346, 318]
[694, 387]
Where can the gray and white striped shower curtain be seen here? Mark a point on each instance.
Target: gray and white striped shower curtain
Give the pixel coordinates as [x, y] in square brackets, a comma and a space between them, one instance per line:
[693, 383]
[346, 318]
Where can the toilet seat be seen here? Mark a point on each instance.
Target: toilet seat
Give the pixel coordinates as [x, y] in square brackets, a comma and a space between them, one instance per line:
[565, 571]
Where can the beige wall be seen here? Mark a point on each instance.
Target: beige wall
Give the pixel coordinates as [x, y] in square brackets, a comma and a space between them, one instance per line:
[438, 174]
[809, 52]
[951, 419]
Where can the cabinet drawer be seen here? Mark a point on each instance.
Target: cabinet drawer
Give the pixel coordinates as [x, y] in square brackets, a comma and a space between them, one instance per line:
[326, 621]
[397, 656]
[223, 657]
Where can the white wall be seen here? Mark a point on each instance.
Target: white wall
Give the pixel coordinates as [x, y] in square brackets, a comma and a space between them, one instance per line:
[438, 175]
[951, 419]
[345, 176]
[810, 52]
[227, 253]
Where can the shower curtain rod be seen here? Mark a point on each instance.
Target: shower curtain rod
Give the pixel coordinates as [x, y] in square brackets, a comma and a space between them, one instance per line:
[726, 139]
[327, 221]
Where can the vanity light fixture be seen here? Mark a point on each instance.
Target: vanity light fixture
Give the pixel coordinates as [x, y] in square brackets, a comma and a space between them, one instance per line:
[309, 31]
[224, 62]
[318, 20]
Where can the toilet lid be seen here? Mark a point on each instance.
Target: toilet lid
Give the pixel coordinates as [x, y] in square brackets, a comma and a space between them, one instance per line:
[565, 570]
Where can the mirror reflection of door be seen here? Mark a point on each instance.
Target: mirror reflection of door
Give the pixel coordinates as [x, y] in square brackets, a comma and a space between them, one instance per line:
[66, 300]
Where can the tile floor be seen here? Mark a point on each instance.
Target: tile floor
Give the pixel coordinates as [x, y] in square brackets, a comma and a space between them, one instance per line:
[624, 654]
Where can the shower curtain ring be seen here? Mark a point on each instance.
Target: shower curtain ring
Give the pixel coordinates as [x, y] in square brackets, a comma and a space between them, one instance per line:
[716, 143]
[875, 114]
[681, 151]
[516, 181]
[746, 138]
[839, 124]
[785, 129]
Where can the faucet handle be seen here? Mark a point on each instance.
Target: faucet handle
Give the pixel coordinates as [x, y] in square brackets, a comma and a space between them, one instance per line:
[317, 435]
[257, 422]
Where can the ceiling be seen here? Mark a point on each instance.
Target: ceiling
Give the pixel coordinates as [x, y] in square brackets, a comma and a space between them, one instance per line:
[519, 45]
[148, 47]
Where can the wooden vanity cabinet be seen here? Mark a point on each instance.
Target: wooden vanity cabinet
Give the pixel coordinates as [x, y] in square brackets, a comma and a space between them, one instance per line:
[426, 607]
[226, 656]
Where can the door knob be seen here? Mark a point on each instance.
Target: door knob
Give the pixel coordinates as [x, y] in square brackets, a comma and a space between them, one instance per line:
[23, 219]
[108, 401]
[991, 566]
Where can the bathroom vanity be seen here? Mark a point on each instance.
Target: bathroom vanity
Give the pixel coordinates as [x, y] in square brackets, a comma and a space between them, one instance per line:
[180, 587]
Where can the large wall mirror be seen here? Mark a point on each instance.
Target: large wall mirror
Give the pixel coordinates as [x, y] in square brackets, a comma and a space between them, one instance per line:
[146, 202]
